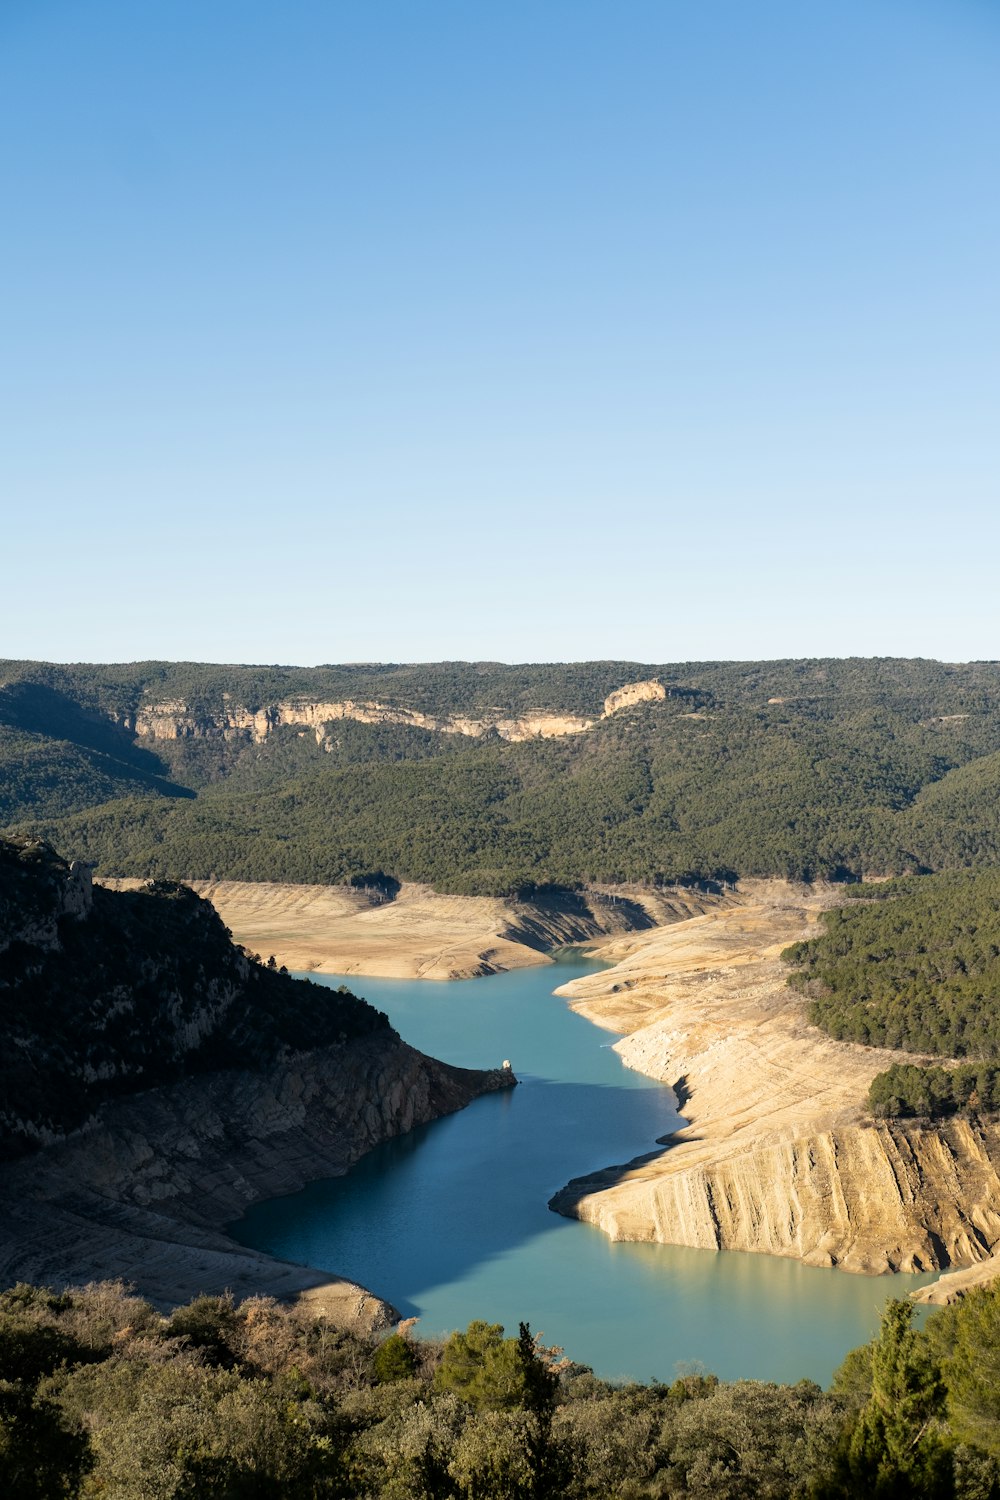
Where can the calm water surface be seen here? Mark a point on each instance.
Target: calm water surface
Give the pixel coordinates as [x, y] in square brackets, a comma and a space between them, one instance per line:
[450, 1222]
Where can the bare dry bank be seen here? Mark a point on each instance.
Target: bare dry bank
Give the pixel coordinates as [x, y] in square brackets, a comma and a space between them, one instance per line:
[778, 1154]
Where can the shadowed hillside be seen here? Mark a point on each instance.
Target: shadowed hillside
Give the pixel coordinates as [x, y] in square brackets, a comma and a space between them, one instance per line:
[155, 1080]
[106, 993]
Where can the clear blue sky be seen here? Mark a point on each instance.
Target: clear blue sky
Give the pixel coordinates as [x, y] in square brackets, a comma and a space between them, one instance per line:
[531, 330]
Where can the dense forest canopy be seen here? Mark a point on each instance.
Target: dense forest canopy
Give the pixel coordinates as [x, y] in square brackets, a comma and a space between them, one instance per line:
[803, 769]
[438, 687]
[914, 964]
[473, 687]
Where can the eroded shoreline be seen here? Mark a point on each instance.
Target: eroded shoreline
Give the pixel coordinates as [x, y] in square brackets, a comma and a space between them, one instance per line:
[420, 933]
[778, 1155]
[145, 1192]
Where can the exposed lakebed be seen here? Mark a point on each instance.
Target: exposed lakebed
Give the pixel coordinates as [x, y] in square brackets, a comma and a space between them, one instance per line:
[451, 1221]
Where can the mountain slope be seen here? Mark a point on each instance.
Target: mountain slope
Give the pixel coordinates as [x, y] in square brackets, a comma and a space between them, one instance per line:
[480, 778]
[155, 1081]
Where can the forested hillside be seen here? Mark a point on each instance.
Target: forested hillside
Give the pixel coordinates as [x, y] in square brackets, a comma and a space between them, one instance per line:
[106, 993]
[914, 964]
[804, 769]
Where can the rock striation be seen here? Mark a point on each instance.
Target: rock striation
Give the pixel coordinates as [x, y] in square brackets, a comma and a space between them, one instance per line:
[777, 1154]
[425, 934]
[146, 1190]
[872, 1198]
[174, 720]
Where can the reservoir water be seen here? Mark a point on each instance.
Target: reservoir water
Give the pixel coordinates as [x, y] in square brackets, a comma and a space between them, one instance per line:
[450, 1222]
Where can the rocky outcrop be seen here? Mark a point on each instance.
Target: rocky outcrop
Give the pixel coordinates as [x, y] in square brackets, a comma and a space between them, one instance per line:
[154, 1081]
[173, 719]
[633, 693]
[777, 1155]
[37, 893]
[954, 1285]
[146, 1190]
[106, 993]
[869, 1198]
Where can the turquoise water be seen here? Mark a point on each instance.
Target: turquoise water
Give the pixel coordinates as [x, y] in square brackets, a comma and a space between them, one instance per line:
[450, 1222]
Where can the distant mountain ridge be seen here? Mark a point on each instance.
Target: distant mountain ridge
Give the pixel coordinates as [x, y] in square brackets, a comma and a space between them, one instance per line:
[484, 778]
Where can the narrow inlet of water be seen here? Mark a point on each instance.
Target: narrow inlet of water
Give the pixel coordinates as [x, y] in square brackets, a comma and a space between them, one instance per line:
[451, 1223]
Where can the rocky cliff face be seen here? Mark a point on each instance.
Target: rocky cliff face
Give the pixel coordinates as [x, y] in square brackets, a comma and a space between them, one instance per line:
[105, 993]
[173, 719]
[145, 1192]
[633, 693]
[37, 893]
[777, 1155]
[869, 1198]
[154, 1082]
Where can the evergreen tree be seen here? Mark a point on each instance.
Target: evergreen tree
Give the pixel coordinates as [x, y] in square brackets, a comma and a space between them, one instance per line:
[892, 1449]
[394, 1360]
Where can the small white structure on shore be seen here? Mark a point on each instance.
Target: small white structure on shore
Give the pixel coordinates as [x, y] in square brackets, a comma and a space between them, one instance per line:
[506, 1064]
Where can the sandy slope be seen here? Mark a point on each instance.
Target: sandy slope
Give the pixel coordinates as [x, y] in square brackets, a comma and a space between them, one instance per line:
[954, 1284]
[334, 930]
[423, 934]
[778, 1155]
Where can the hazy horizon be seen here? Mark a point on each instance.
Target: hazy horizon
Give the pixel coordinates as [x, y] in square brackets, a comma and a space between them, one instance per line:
[629, 661]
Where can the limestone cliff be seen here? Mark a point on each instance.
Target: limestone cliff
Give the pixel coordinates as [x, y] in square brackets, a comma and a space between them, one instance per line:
[777, 1154]
[174, 719]
[633, 693]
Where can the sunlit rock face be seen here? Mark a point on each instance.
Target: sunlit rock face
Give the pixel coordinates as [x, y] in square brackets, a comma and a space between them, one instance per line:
[779, 1154]
[633, 693]
[173, 719]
